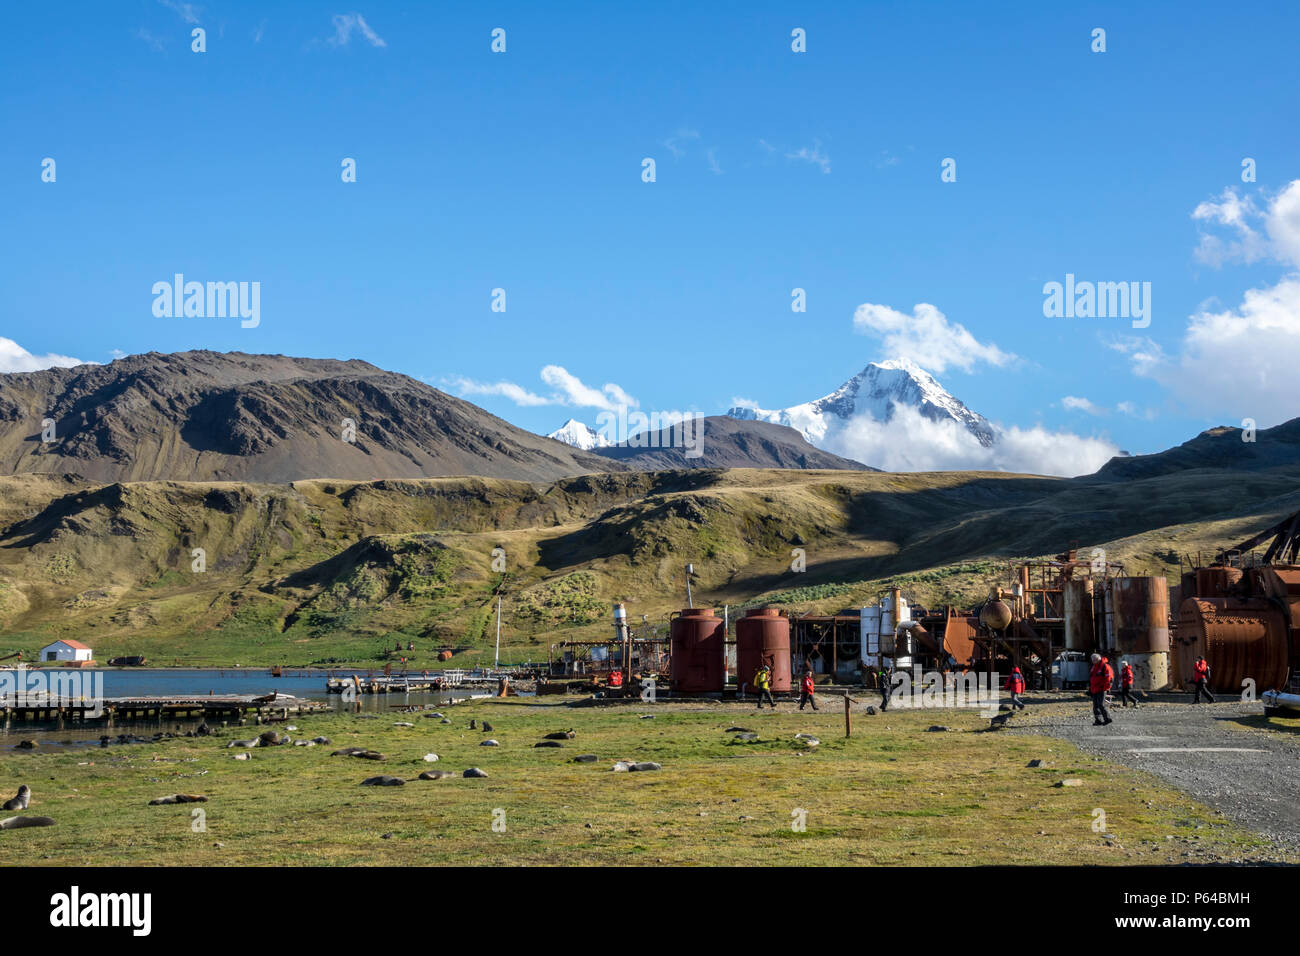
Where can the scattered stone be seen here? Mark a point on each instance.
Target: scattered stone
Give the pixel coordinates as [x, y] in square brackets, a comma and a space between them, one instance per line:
[383, 781]
[548, 743]
[474, 772]
[436, 774]
[585, 758]
[178, 798]
[1070, 782]
[489, 743]
[430, 758]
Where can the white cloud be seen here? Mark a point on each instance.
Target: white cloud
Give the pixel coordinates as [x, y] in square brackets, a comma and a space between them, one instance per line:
[345, 23]
[713, 163]
[674, 142]
[1078, 404]
[1280, 221]
[1242, 361]
[155, 43]
[186, 11]
[573, 391]
[568, 390]
[813, 155]
[516, 393]
[909, 441]
[15, 358]
[927, 338]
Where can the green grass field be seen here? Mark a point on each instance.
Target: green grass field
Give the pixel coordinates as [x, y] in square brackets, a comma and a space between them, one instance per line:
[892, 794]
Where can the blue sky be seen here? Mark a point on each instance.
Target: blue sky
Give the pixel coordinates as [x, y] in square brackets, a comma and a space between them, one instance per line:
[775, 170]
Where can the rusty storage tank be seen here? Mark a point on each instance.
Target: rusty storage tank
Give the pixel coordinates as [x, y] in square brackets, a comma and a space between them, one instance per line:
[1079, 633]
[1240, 638]
[698, 644]
[763, 637]
[1215, 581]
[995, 614]
[1139, 624]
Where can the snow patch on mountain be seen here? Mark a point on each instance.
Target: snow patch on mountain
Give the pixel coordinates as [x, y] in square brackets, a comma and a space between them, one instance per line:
[579, 435]
[874, 394]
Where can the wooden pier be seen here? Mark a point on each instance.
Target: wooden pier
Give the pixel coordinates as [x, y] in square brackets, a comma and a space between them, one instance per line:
[414, 683]
[229, 707]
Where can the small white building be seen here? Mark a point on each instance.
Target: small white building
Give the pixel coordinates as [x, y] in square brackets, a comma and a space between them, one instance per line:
[66, 651]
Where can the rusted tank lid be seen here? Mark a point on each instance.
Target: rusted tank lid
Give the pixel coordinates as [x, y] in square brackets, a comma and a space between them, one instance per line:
[705, 612]
[763, 612]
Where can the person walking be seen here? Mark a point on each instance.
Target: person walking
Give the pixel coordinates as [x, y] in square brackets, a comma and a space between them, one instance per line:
[1015, 683]
[1201, 678]
[886, 678]
[763, 683]
[806, 687]
[1099, 681]
[1126, 685]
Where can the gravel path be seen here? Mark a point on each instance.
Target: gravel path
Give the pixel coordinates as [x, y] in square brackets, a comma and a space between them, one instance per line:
[1251, 774]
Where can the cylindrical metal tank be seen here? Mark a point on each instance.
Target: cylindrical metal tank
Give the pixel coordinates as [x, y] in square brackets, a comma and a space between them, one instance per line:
[1079, 634]
[1240, 638]
[995, 614]
[698, 645]
[763, 637]
[1140, 626]
[1214, 581]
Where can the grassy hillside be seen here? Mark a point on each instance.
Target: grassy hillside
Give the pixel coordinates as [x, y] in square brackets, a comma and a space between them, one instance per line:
[320, 572]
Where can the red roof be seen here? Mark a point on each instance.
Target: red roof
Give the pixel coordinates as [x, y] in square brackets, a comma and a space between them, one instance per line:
[73, 644]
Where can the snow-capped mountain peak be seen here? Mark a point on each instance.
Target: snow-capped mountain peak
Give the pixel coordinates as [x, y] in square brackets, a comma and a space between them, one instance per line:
[579, 435]
[873, 394]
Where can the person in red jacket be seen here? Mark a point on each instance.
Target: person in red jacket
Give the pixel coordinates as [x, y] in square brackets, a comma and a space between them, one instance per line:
[1099, 681]
[1201, 678]
[1015, 683]
[806, 687]
[1126, 685]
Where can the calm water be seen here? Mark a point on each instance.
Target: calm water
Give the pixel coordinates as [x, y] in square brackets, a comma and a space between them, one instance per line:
[151, 682]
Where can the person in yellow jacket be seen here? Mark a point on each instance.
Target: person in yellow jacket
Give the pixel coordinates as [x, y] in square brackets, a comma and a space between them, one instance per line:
[763, 684]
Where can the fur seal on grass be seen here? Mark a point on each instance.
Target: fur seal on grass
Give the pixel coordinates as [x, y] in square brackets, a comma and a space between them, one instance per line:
[548, 743]
[436, 774]
[487, 727]
[562, 735]
[474, 772]
[20, 802]
[178, 798]
[21, 823]
[383, 781]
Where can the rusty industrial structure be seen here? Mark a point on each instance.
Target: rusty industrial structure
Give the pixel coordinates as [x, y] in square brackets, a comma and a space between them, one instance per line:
[1241, 612]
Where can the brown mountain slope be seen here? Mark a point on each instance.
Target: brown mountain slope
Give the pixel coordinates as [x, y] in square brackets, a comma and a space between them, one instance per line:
[208, 416]
[726, 443]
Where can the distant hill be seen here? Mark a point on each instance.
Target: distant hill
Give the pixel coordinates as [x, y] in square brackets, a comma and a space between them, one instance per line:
[1217, 448]
[727, 443]
[209, 416]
